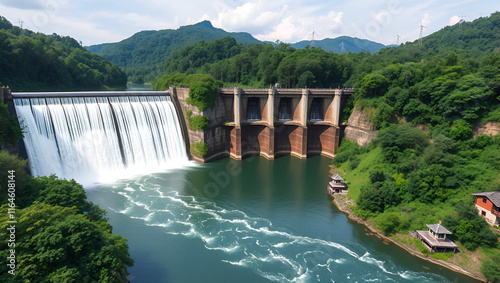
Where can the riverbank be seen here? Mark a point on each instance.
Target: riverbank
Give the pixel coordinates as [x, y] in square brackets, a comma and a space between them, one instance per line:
[344, 205]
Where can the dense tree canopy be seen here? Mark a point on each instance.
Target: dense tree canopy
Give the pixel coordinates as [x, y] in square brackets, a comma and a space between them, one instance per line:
[59, 235]
[34, 61]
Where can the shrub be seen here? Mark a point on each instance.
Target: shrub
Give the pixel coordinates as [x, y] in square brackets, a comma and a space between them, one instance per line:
[422, 248]
[10, 131]
[198, 122]
[491, 269]
[390, 223]
[203, 91]
[461, 130]
[199, 148]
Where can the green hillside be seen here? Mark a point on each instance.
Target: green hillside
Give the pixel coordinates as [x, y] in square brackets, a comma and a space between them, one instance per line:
[261, 65]
[143, 54]
[351, 44]
[424, 101]
[35, 61]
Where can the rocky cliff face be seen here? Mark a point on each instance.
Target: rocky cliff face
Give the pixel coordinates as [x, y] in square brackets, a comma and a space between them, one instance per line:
[359, 128]
[490, 129]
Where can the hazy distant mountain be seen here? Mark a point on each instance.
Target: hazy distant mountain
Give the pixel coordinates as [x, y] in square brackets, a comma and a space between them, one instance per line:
[352, 44]
[143, 54]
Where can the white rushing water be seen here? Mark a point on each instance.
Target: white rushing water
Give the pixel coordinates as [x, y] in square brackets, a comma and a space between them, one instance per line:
[101, 139]
[238, 239]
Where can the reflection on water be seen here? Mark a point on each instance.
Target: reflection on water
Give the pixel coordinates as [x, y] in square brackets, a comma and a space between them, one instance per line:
[250, 221]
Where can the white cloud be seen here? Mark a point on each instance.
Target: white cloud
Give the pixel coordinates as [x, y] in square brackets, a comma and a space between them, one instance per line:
[426, 20]
[97, 21]
[251, 17]
[383, 18]
[292, 28]
[454, 20]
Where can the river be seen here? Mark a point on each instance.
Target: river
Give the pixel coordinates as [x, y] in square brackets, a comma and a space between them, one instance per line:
[250, 221]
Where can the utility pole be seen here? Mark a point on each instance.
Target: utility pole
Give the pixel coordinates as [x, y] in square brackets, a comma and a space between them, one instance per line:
[461, 21]
[342, 49]
[312, 41]
[21, 26]
[421, 32]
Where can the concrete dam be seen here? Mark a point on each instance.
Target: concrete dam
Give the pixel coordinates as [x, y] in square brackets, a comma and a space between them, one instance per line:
[269, 122]
[68, 132]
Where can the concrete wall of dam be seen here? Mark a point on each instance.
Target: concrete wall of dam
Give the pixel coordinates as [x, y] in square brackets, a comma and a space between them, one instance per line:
[268, 122]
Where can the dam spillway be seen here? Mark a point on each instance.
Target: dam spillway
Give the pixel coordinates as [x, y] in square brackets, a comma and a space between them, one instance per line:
[100, 136]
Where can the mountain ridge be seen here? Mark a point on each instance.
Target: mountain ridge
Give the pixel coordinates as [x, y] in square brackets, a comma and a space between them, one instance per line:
[142, 55]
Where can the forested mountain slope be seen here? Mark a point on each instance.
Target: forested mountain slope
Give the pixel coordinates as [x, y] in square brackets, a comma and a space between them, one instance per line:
[143, 54]
[425, 163]
[34, 61]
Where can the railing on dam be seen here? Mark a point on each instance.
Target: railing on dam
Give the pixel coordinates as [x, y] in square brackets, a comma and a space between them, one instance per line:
[290, 91]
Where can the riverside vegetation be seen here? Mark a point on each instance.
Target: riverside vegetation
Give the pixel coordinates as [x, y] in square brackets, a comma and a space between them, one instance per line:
[423, 99]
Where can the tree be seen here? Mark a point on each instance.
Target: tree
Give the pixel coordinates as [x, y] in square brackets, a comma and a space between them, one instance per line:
[55, 191]
[307, 78]
[10, 131]
[461, 130]
[372, 85]
[203, 91]
[23, 189]
[59, 243]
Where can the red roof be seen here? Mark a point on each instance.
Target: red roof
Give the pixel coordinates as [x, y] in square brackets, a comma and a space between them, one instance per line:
[494, 197]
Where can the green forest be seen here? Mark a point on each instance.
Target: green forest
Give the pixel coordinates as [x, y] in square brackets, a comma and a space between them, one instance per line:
[424, 101]
[35, 61]
[59, 235]
[142, 55]
[262, 65]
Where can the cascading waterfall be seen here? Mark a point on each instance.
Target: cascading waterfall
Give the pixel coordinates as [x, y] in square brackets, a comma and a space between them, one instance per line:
[100, 139]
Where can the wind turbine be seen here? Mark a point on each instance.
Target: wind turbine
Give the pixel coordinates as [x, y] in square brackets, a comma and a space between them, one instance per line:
[421, 32]
[397, 39]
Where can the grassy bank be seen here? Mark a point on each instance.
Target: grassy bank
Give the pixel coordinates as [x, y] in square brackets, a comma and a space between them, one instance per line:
[408, 178]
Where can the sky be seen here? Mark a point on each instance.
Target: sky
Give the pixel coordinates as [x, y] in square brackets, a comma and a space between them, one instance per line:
[290, 21]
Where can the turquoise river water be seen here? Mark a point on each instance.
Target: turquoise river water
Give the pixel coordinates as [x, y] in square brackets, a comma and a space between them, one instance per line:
[250, 221]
